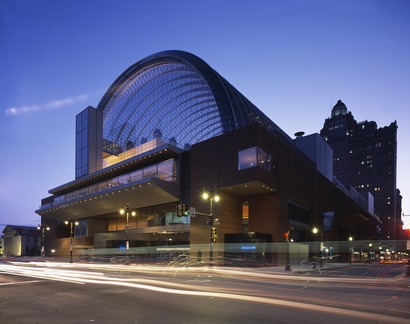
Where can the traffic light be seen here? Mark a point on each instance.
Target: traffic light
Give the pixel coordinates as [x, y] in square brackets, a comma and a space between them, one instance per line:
[214, 234]
[184, 209]
[179, 210]
[286, 236]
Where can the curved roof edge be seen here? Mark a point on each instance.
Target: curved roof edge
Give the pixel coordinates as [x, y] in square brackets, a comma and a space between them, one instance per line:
[209, 74]
[234, 108]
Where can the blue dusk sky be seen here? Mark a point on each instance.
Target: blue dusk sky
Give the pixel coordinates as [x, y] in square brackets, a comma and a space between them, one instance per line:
[293, 59]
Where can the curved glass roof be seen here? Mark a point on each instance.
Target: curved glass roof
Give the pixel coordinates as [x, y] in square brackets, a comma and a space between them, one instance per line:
[177, 97]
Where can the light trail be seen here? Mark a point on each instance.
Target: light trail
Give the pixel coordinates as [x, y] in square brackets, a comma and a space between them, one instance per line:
[83, 277]
[203, 270]
[18, 283]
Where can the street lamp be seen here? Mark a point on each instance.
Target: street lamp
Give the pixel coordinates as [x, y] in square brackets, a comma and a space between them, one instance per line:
[314, 230]
[43, 227]
[127, 211]
[370, 252]
[350, 249]
[70, 221]
[211, 197]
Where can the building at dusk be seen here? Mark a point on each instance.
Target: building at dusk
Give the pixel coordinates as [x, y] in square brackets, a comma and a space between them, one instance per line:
[171, 128]
[365, 157]
[21, 241]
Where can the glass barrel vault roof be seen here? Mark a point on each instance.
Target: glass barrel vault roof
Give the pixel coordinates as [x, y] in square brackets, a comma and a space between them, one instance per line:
[175, 96]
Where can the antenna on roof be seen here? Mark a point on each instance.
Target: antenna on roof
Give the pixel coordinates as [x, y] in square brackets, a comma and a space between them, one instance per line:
[299, 134]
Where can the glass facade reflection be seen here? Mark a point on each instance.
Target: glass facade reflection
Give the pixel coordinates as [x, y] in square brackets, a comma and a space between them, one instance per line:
[175, 97]
[165, 170]
[168, 101]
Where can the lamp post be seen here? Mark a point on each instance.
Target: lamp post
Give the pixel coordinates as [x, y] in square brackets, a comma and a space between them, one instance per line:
[321, 250]
[350, 249]
[211, 197]
[43, 227]
[70, 221]
[127, 211]
[287, 238]
[315, 231]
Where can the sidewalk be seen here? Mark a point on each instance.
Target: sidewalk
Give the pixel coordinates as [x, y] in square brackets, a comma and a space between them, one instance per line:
[309, 268]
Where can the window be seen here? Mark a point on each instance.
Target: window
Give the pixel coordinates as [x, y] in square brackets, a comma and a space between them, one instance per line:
[245, 216]
[253, 157]
[299, 213]
[80, 230]
[165, 170]
[264, 160]
[245, 210]
[247, 158]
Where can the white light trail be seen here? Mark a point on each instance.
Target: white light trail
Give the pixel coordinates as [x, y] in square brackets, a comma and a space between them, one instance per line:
[18, 283]
[83, 277]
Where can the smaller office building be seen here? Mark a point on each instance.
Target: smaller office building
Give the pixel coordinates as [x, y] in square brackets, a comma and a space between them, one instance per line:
[1, 245]
[21, 241]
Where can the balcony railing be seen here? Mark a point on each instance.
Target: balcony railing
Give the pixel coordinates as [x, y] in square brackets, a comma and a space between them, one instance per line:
[165, 171]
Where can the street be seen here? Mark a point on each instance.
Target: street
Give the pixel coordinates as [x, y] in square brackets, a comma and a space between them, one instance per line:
[48, 292]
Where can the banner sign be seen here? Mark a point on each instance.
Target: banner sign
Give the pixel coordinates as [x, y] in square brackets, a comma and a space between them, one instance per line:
[328, 220]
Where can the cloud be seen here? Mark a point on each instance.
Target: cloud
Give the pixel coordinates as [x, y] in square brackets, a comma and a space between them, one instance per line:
[56, 104]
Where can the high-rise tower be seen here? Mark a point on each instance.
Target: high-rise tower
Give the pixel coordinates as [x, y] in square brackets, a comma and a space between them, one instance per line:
[366, 158]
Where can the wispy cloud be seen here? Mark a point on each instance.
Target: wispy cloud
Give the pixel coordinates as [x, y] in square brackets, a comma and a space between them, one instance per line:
[56, 104]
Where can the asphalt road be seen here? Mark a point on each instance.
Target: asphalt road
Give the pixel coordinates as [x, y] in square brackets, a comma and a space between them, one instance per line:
[83, 293]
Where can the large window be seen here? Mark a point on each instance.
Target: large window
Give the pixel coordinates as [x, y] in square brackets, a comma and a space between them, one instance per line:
[254, 157]
[165, 170]
[299, 214]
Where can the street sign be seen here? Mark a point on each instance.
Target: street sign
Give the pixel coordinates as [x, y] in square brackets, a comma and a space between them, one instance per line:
[192, 211]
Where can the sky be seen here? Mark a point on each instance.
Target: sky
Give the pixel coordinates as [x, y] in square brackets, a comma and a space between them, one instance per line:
[293, 59]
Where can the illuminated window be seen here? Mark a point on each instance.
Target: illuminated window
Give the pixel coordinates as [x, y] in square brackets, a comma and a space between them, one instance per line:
[165, 170]
[245, 216]
[253, 157]
[245, 210]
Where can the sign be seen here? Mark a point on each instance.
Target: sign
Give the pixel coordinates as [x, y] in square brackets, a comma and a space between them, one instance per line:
[328, 220]
[192, 211]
